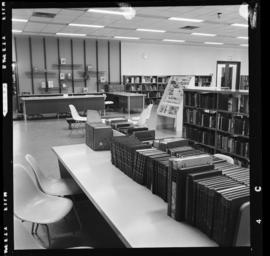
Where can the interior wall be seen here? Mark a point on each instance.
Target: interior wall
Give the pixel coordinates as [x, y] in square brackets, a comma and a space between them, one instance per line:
[159, 59]
[27, 45]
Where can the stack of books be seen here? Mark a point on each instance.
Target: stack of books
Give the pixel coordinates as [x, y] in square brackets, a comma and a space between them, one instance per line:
[172, 142]
[148, 135]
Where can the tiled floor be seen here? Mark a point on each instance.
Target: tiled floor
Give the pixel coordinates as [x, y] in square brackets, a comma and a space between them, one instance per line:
[36, 137]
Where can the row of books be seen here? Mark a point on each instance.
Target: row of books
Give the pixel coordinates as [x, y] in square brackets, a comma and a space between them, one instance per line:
[144, 87]
[244, 104]
[233, 171]
[151, 165]
[233, 145]
[200, 117]
[226, 102]
[237, 125]
[208, 196]
[140, 79]
[244, 83]
[199, 135]
[203, 190]
[203, 81]
[123, 150]
[205, 100]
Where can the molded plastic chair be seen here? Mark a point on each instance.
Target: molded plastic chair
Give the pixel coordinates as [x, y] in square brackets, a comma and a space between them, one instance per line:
[107, 102]
[76, 117]
[225, 157]
[52, 186]
[31, 204]
[142, 119]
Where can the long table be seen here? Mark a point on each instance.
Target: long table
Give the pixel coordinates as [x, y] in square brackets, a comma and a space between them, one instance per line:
[127, 100]
[138, 217]
[59, 104]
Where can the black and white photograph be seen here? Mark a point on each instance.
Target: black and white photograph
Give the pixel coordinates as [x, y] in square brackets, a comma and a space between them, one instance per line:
[130, 126]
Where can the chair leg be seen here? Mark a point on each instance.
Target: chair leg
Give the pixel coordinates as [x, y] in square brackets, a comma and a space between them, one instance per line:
[78, 218]
[48, 234]
[32, 229]
[36, 229]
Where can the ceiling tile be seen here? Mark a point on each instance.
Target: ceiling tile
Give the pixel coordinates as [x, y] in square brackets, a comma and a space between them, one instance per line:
[34, 27]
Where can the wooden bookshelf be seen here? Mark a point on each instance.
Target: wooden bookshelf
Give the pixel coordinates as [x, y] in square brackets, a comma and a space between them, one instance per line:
[203, 81]
[219, 118]
[152, 86]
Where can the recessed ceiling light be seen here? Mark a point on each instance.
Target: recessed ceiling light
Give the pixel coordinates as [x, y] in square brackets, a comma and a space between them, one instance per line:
[150, 30]
[184, 19]
[173, 40]
[244, 45]
[243, 37]
[16, 31]
[19, 20]
[127, 37]
[218, 43]
[239, 25]
[85, 25]
[106, 11]
[69, 34]
[202, 34]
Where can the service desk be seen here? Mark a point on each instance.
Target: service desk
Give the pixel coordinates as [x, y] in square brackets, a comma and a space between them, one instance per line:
[136, 215]
[59, 104]
[127, 100]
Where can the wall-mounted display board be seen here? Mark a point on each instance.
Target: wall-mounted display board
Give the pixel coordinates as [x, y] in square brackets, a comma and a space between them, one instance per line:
[68, 65]
[171, 104]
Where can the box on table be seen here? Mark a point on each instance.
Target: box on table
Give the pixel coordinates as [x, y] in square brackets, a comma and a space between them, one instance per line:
[98, 136]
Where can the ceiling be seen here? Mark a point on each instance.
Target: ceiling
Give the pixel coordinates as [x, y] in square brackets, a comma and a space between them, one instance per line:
[146, 17]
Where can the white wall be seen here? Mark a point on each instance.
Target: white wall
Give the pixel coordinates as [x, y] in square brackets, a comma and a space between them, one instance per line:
[178, 59]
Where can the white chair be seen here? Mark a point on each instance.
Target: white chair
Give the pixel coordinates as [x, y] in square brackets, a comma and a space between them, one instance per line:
[107, 102]
[32, 205]
[225, 157]
[52, 186]
[76, 117]
[142, 119]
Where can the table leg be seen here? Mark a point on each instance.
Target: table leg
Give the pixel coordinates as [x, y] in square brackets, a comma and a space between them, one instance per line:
[24, 112]
[128, 107]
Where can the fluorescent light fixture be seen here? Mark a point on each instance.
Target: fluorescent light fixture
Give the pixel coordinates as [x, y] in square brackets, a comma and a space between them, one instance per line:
[217, 43]
[106, 11]
[85, 25]
[244, 45]
[150, 30]
[184, 19]
[19, 20]
[16, 31]
[239, 25]
[69, 34]
[173, 40]
[202, 34]
[243, 37]
[126, 37]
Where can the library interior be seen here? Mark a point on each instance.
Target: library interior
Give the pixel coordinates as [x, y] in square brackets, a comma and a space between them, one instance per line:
[131, 127]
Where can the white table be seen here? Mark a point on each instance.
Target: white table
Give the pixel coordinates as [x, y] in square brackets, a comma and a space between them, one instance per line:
[137, 216]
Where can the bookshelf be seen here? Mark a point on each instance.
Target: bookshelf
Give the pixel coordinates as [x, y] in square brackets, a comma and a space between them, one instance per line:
[203, 81]
[152, 86]
[218, 122]
[244, 83]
